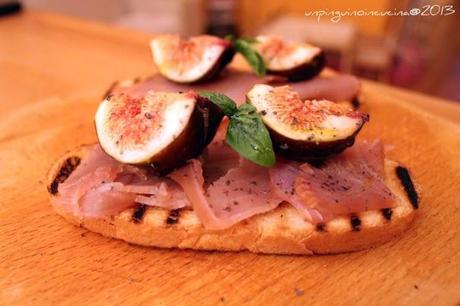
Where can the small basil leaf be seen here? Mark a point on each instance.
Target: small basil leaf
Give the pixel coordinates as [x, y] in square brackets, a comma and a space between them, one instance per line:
[230, 37]
[252, 56]
[248, 135]
[225, 103]
[249, 40]
[246, 109]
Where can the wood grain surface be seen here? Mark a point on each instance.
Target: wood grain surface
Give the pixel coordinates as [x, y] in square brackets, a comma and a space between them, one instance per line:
[54, 71]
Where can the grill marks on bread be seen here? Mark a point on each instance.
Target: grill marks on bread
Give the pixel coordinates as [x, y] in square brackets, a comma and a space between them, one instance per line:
[355, 222]
[387, 213]
[139, 213]
[321, 227]
[66, 169]
[406, 181]
[173, 217]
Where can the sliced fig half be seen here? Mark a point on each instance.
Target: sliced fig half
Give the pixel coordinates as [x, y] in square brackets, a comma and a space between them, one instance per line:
[295, 61]
[305, 130]
[160, 129]
[196, 59]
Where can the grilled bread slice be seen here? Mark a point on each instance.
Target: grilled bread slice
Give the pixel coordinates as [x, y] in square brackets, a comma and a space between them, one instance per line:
[281, 231]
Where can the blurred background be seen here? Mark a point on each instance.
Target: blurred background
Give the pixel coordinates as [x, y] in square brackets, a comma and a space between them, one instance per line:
[421, 53]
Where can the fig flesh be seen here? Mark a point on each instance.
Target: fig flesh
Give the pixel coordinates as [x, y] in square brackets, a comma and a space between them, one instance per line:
[197, 59]
[161, 129]
[295, 61]
[305, 130]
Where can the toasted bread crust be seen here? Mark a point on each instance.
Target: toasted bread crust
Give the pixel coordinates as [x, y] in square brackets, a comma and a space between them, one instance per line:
[281, 231]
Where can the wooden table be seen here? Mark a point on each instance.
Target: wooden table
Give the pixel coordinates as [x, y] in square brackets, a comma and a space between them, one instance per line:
[53, 71]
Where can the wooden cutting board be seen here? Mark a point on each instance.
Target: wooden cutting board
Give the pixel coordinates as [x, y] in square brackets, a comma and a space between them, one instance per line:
[45, 260]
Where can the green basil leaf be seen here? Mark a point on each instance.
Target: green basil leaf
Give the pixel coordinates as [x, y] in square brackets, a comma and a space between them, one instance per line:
[249, 40]
[247, 109]
[227, 105]
[248, 135]
[252, 56]
[230, 37]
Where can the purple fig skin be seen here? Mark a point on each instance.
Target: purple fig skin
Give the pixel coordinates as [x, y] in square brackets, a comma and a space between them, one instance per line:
[198, 133]
[305, 71]
[225, 59]
[310, 151]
